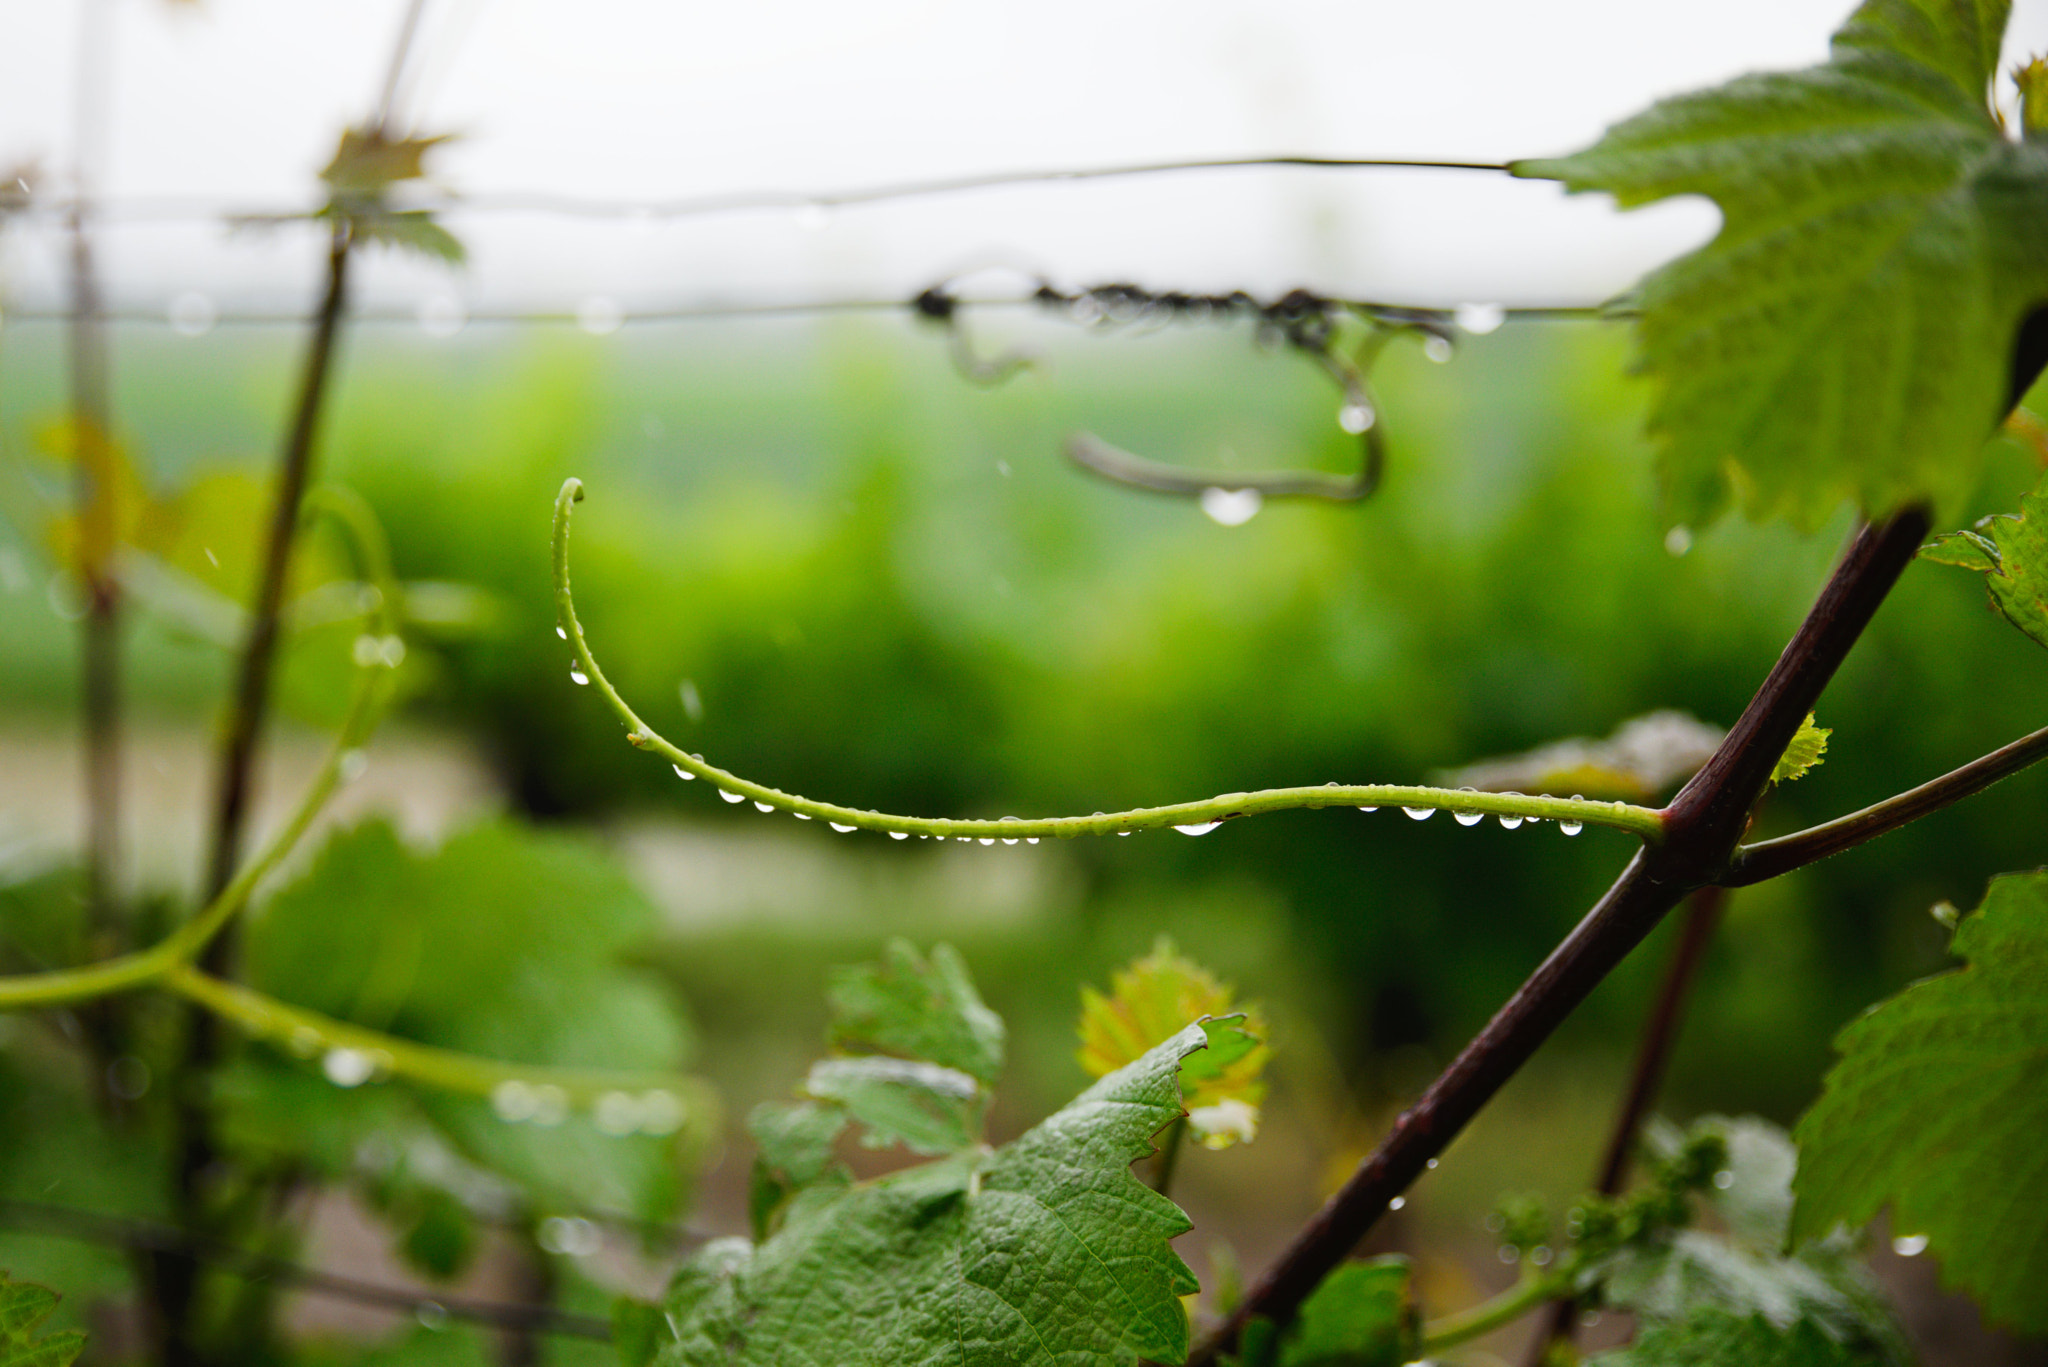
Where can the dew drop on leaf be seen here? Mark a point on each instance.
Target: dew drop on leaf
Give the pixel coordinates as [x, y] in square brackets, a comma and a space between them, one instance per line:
[1678, 540]
[1397, 1203]
[1420, 813]
[576, 675]
[1368, 809]
[839, 828]
[764, 806]
[1510, 822]
[988, 840]
[1469, 818]
[1438, 349]
[1910, 1245]
[683, 773]
[732, 797]
[1198, 828]
[899, 835]
[562, 632]
[1356, 417]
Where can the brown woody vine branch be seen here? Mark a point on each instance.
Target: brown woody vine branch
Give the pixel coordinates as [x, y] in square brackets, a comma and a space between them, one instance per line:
[1704, 823]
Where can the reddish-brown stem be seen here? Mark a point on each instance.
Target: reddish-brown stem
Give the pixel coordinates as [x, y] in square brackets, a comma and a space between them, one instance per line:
[1705, 821]
[1660, 1032]
[96, 490]
[259, 651]
[174, 1280]
[1768, 858]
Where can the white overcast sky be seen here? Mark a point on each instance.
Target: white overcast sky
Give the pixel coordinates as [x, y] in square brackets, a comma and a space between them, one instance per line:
[243, 99]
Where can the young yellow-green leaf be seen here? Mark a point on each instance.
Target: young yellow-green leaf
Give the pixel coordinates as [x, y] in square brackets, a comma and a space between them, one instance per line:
[1715, 1338]
[23, 1306]
[2011, 551]
[1809, 743]
[367, 163]
[412, 230]
[1644, 756]
[1046, 1251]
[1937, 1108]
[1850, 332]
[1155, 997]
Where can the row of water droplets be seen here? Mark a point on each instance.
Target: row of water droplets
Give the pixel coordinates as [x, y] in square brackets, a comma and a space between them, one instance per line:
[618, 1113]
[1508, 820]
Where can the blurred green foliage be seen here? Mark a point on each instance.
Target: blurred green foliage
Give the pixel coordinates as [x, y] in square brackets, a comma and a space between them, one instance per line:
[823, 560]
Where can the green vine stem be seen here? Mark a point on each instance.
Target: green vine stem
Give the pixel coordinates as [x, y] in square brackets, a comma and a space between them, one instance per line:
[353, 1054]
[1644, 822]
[375, 656]
[350, 1054]
[1510, 1305]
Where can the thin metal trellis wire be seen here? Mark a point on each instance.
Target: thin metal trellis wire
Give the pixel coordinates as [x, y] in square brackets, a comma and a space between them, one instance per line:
[19, 199]
[615, 314]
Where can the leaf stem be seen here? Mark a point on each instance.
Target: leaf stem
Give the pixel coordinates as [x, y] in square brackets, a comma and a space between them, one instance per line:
[1768, 858]
[142, 968]
[1644, 822]
[1169, 1155]
[1510, 1305]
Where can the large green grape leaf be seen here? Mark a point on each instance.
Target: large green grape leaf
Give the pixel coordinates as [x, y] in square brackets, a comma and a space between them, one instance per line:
[1938, 1106]
[2011, 551]
[1047, 1250]
[1851, 330]
[506, 942]
[24, 1306]
[1712, 1337]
